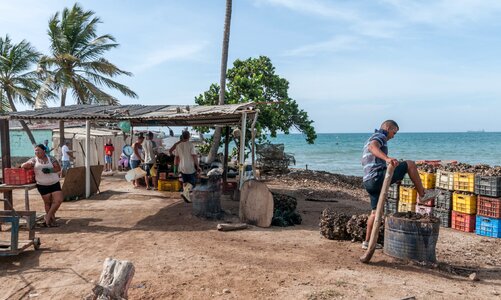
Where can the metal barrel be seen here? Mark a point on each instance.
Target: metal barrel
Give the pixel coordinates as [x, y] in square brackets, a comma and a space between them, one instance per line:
[411, 239]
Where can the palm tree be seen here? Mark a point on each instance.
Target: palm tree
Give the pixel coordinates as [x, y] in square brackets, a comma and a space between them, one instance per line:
[224, 64]
[16, 82]
[76, 62]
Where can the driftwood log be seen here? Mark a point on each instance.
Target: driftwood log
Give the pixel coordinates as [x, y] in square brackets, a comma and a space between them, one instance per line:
[231, 227]
[114, 281]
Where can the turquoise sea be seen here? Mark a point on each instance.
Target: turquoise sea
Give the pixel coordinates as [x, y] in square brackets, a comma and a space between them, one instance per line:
[341, 152]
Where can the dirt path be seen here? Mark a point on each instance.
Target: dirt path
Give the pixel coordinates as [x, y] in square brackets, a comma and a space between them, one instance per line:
[178, 256]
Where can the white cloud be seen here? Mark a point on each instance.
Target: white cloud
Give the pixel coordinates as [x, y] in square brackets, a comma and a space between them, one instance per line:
[179, 52]
[313, 7]
[336, 44]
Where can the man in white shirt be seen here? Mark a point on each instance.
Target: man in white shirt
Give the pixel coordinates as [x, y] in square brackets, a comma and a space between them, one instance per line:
[66, 155]
[188, 163]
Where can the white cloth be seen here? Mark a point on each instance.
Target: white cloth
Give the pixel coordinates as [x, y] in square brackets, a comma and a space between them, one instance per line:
[149, 152]
[64, 153]
[185, 151]
[42, 178]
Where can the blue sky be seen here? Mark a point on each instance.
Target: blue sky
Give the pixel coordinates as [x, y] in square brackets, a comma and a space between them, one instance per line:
[432, 65]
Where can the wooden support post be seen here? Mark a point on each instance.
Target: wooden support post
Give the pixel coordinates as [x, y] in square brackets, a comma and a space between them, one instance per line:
[114, 281]
[87, 159]
[225, 163]
[5, 140]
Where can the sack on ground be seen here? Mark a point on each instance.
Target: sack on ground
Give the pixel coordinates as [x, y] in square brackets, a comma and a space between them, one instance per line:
[135, 174]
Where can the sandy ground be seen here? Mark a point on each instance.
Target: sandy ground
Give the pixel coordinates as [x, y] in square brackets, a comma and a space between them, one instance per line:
[179, 256]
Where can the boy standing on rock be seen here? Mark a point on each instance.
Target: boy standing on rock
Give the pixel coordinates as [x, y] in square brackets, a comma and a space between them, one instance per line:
[374, 161]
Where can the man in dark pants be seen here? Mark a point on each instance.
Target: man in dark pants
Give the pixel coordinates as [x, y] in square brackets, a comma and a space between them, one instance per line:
[374, 161]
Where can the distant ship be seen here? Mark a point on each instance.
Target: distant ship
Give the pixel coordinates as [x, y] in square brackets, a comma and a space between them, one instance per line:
[477, 131]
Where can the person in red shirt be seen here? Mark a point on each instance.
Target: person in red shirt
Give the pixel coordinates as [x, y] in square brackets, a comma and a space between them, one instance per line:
[108, 156]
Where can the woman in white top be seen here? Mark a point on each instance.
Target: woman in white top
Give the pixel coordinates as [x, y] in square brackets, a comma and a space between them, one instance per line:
[46, 175]
[137, 156]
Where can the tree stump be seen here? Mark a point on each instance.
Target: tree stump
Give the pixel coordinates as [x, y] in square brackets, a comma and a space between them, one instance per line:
[114, 281]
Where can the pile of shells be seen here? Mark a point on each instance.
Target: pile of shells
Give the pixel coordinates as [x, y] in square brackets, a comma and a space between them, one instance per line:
[459, 167]
[415, 216]
[357, 226]
[284, 213]
[333, 225]
[338, 226]
[284, 202]
[428, 168]
[481, 169]
[488, 171]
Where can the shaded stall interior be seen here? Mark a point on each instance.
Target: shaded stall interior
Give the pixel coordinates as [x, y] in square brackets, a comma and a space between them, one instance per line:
[138, 116]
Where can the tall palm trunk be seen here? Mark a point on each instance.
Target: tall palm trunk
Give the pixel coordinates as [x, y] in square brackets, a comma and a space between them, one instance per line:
[224, 63]
[61, 122]
[23, 123]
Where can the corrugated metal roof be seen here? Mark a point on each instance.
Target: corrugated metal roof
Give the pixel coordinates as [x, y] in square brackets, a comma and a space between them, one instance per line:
[151, 115]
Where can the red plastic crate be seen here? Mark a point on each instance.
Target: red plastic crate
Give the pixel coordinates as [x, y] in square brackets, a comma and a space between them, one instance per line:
[463, 222]
[489, 207]
[18, 176]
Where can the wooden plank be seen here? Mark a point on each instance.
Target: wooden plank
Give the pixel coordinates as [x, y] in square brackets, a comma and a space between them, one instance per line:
[73, 180]
[379, 214]
[256, 204]
[231, 227]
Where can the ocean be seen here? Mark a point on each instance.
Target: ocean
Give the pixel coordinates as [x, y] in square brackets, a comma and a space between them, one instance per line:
[341, 152]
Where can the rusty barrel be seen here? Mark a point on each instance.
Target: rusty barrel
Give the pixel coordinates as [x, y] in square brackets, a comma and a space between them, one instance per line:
[206, 199]
[409, 238]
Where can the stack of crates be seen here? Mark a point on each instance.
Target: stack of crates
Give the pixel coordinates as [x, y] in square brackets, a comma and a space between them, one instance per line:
[428, 180]
[443, 207]
[407, 197]
[464, 202]
[444, 183]
[391, 204]
[488, 217]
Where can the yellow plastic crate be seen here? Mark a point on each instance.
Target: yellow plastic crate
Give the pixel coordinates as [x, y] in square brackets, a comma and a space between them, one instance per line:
[464, 203]
[464, 182]
[408, 195]
[405, 207]
[445, 180]
[169, 185]
[428, 179]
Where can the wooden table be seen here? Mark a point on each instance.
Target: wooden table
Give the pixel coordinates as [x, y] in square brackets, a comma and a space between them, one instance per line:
[9, 187]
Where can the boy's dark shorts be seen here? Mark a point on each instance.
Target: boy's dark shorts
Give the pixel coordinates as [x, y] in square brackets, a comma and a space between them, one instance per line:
[374, 185]
[191, 178]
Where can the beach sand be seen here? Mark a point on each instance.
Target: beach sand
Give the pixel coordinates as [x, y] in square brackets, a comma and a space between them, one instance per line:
[179, 256]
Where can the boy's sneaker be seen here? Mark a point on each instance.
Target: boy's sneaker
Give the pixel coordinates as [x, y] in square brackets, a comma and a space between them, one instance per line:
[428, 195]
[186, 193]
[365, 245]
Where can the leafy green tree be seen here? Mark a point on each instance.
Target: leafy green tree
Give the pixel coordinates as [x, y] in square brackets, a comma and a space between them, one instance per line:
[76, 62]
[17, 81]
[255, 80]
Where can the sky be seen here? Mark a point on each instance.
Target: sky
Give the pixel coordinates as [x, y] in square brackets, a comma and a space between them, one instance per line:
[431, 65]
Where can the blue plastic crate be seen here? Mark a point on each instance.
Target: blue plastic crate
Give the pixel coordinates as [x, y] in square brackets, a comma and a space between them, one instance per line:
[488, 227]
